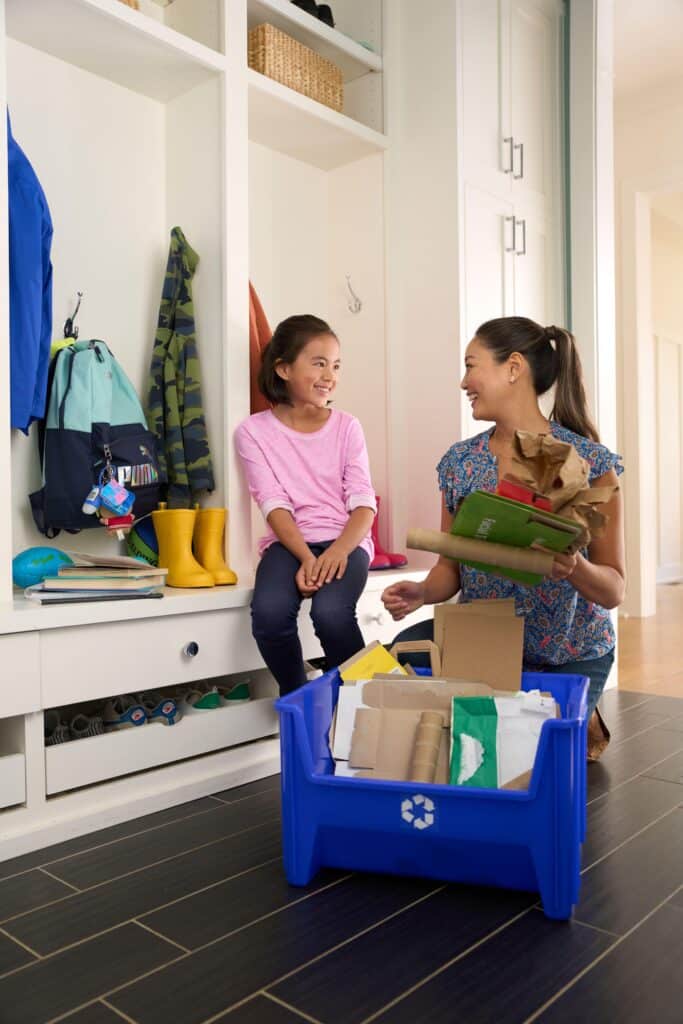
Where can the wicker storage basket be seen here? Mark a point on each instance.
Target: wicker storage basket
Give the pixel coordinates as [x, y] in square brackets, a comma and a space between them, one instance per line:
[278, 56]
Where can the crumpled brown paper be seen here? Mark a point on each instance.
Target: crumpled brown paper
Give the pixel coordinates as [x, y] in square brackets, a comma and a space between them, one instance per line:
[556, 470]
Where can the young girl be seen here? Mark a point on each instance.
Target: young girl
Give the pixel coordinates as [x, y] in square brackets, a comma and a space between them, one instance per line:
[307, 470]
[509, 364]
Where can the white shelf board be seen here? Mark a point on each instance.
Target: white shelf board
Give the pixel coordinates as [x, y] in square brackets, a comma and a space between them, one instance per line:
[353, 59]
[22, 615]
[115, 42]
[99, 758]
[290, 123]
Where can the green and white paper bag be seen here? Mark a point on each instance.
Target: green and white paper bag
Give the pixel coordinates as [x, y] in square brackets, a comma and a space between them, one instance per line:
[494, 739]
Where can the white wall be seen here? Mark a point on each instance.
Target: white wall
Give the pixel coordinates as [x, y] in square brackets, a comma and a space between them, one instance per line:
[307, 229]
[89, 176]
[288, 234]
[648, 159]
[667, 317]
[115, 188]
[667, 276]
[425, 349]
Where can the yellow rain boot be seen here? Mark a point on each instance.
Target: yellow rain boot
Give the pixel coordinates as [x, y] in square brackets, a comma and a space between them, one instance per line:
[174, 527]
[209, 529]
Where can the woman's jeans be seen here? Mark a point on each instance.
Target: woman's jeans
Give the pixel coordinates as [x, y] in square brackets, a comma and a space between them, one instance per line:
[275, 608]
[597, 669]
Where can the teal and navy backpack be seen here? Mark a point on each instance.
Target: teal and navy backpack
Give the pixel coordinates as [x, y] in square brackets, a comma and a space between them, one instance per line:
[94, 421]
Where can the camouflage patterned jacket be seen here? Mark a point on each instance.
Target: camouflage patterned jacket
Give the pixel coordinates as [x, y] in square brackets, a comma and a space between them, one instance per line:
[175, 413]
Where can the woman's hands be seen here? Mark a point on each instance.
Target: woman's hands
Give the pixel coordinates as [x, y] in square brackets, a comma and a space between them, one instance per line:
[564, 566]
[401, 599]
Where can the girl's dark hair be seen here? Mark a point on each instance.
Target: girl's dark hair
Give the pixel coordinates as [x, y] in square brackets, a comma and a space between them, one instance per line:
[289, 339]
[553, 359]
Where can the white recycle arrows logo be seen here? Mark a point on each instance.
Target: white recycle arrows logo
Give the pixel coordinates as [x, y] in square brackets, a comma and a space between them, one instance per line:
[418, 811]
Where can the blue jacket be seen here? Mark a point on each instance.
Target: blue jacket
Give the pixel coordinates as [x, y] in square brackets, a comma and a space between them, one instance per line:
[30, 283]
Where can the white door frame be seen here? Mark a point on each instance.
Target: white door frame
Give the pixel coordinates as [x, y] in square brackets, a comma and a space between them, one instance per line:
[591, 198]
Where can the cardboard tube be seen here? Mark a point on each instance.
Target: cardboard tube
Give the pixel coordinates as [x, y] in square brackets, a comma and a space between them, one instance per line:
[427, 745]
[466, 549]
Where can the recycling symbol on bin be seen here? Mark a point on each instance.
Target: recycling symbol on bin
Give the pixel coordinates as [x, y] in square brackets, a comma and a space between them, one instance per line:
[418, 811]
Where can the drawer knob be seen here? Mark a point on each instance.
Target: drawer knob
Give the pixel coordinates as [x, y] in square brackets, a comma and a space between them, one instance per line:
[191, 650]
[377, 617]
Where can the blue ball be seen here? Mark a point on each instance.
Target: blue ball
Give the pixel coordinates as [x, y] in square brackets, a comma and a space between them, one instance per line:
[35, 564]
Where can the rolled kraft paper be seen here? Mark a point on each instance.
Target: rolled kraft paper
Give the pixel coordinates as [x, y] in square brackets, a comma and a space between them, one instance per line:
[466, 549]
[426, 749]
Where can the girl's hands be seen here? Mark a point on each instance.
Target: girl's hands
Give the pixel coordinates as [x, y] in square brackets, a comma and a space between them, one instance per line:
[331, 565]
[304, 578]
[314, 572]
[401, 599]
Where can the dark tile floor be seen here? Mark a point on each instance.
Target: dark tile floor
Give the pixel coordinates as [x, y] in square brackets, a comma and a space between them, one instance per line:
[184, 917]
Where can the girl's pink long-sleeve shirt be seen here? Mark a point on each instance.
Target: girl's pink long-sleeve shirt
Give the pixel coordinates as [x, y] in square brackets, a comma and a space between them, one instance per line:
[319, 477]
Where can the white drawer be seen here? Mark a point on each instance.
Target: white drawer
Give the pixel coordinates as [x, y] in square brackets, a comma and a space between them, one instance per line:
[87, 662]
[12, 780]
[19, 674]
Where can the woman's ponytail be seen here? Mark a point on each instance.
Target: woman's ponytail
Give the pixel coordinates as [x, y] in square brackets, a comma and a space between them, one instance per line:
[571, 408]
[553, 360]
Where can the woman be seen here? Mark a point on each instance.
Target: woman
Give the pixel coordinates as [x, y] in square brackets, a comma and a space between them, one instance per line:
[509, 364]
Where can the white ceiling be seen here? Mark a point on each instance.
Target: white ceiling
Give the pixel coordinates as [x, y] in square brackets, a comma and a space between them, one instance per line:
[648, 45]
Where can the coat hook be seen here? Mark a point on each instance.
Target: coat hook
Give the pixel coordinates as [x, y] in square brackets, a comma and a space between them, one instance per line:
[70, 330]
[354, 303]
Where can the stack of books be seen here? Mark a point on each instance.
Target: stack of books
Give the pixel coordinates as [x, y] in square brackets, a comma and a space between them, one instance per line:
[100, 578]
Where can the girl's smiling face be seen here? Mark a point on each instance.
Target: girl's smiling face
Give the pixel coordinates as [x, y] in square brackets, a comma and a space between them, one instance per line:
[312, 377]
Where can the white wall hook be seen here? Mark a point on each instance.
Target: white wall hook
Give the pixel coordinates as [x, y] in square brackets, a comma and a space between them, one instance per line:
[354, 303]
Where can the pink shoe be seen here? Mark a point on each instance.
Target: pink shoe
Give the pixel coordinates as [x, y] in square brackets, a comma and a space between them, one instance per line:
[384, 559]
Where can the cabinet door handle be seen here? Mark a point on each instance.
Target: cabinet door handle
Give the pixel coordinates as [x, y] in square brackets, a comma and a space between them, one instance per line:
[522, 251]
[520, 147]
[511, 248]
[191, 650]
[509, 141]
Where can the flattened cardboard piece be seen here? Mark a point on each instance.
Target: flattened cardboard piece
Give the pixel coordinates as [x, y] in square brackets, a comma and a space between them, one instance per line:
[373, 658]
[482, 641]
[521, 782]
[383, 744]
[426, 695]
[491, 606]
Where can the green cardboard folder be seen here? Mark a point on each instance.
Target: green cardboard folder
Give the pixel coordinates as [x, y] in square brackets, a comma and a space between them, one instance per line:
[489, 517]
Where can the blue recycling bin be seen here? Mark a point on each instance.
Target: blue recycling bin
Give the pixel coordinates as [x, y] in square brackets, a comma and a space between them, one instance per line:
[529, 840]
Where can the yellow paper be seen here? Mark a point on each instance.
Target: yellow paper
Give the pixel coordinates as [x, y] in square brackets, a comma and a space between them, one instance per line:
[375, 659]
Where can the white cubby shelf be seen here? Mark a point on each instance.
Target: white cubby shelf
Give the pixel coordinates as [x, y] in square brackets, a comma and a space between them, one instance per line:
[115, 42]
